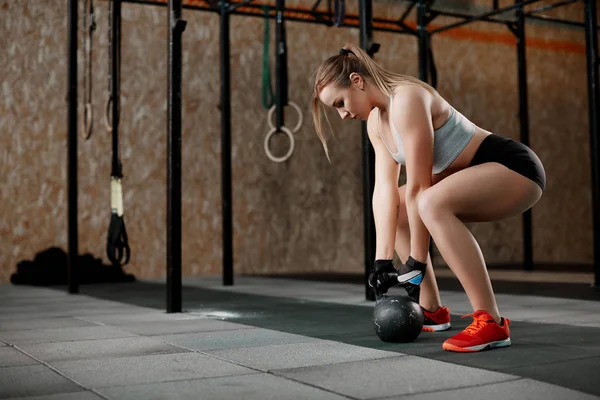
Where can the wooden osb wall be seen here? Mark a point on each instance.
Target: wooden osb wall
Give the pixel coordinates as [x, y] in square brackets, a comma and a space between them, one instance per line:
[304, 215]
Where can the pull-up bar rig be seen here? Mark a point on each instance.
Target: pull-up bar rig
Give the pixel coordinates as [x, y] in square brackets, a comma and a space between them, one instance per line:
[367, 24]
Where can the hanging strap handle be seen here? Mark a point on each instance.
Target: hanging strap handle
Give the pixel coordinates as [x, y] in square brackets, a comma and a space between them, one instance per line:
[90, 27]
[281, 88]
[117, 241]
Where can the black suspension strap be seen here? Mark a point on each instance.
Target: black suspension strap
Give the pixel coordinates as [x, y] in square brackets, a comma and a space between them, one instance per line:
[108, 102]
[89, 24]
[281, 70]
[281, 90]
[267, 88]
[339, 13]
[117, 243]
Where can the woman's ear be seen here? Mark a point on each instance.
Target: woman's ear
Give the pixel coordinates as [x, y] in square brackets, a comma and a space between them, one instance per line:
[357, 81]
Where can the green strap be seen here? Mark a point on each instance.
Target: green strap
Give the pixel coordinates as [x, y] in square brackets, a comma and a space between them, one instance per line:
[267, 88]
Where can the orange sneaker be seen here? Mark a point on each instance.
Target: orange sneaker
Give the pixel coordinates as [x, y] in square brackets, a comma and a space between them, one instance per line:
[482, 334]
[436, 321]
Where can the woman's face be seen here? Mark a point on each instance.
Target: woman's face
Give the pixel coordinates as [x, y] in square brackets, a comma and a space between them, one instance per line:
[352, 102]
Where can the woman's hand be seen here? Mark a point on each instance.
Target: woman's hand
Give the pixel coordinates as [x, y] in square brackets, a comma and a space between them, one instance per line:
[383, 276]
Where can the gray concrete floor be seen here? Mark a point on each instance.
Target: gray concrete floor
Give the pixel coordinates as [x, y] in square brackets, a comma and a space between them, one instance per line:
[76, 347]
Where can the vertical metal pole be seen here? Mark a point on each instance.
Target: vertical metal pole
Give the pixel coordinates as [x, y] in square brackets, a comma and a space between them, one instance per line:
[424, 61]
[366, 39]
[524, 128]
[176, 27]
[591, 45]
[423, 40]
[226, 184]
[73, 242]
[116, 83]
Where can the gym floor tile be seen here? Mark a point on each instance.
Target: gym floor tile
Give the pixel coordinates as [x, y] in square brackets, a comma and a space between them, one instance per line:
[576, 337]
[392, 376]
[33, 380]
[296, 355]
[101, 348]
[108, 372]
[233, 339]
[42, 323]
[66, 311]
[10, 357]
[518, 355]
[520, 389]
[62, 334]
[171, 327]
[66, 396]
[246, 387]
[581, 374]
[139, 317]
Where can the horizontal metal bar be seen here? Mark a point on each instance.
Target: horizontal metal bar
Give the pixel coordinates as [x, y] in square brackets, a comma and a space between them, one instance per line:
[236, 6]
[549, 7]
[460, 15]
[314, 7]
[352, 21]
[406, 12]
[483, 16]
[556, 20]
[292, 14]
[407, 29]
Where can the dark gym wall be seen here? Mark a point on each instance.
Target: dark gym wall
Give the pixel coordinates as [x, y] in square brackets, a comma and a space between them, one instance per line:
[304, 215]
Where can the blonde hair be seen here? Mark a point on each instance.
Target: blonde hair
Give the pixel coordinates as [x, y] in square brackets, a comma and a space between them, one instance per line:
[337, 70]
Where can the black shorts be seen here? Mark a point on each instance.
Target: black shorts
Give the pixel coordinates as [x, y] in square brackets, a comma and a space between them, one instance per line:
[513, 155]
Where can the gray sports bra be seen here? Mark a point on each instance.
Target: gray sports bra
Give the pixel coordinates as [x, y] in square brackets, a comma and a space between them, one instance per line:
[448, 141]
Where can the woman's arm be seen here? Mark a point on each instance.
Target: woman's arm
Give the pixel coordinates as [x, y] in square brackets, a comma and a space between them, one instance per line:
[385, 194]
[411, 115]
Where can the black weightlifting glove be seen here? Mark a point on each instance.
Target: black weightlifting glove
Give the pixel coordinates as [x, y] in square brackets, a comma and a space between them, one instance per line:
[383, 276]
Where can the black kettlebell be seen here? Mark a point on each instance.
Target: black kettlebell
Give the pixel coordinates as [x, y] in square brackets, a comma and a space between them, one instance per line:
[397, 319]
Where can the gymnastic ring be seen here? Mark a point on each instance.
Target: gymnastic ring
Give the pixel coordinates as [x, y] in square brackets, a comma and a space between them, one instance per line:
[87, 121]
[290, 135]
[107, 105]
[293, 105]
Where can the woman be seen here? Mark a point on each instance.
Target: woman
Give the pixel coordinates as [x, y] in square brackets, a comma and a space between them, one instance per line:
[456, 172]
